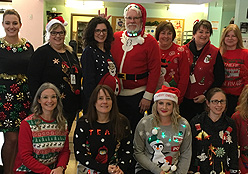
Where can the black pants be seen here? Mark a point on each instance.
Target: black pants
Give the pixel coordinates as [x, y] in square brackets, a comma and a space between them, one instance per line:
[189, 109]
[143, 171]
[129, 106]
[232, 101]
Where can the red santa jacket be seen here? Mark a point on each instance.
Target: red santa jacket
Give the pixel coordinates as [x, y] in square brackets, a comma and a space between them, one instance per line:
[137, 57]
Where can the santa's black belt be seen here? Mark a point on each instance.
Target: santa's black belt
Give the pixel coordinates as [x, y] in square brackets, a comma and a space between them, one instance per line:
[125, 76]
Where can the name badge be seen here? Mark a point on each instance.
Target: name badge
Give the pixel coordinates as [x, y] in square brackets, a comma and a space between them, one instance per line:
[73, 79]
[192, 78]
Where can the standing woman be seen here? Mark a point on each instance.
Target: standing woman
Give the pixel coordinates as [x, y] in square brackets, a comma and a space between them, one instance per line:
[214, 145]
[206, 69]
[241, 119]
[97, 62]
[102, 138]
[162, 140]
[43, 145]
[55, 62]
[173, 58]
[15, 53]
[235, 58]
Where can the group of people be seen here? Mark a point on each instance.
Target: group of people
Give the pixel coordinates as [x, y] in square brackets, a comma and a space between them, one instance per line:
[190, 93]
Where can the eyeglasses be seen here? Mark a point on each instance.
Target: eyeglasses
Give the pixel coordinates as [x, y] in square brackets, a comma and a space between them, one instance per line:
[216, 102]
[103, 31]
[54, 33]
[132, 18]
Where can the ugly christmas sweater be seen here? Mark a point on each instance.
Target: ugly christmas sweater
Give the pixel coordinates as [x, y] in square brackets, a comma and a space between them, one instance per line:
[242, 135]
[41, 150]
[174, 60]
[214, 145]
[137, 55]
[96, 148]
[236, 67]
[160, 148]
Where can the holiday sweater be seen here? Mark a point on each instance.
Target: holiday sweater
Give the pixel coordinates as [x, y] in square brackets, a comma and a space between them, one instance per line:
[214, 145]
[61, 69]
[208, 71]
[163, 148]
[41, 150]
[137, 55]
[96, 148]
[14, 93]
[236, 67]
[174, 60]
[95, 65]
[242, 133]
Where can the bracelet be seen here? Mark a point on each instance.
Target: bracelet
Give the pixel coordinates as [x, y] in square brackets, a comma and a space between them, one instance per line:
[62, 167]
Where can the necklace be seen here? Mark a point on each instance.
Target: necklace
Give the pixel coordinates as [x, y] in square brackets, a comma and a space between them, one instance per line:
[68, 60]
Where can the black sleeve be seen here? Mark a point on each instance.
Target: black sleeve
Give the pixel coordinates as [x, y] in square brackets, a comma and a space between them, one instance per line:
[193, 164]
[219, 72]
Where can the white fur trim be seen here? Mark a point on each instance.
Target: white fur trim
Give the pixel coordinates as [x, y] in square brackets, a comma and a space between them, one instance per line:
[165, 95]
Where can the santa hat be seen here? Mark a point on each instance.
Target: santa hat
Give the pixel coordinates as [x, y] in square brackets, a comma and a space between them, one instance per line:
[143, 13]
[168, 93]
[58, 19]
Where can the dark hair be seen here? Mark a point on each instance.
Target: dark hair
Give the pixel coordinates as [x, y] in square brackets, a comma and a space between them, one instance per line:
[165, 25]
[205, 23]
[211, 93]
[88, 36]
[119, 122]
[12, 12]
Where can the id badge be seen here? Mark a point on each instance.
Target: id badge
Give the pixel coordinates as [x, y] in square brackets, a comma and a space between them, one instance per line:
[192, 78]
[73, 79]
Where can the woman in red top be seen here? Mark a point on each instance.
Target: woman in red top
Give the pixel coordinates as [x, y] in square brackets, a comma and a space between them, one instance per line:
[173, 58]
[235, 59]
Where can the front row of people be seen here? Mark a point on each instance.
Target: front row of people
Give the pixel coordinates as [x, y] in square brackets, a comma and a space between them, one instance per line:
[163, 142]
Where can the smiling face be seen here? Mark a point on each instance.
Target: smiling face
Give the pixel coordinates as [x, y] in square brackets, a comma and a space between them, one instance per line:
[202, 36]
[133, 21]
[57, 36]
[11, 25]
[104, 103]
[100, 33]
[48, 100]
[231, 40]
[164, 107]
[165, 38]
[216, 108]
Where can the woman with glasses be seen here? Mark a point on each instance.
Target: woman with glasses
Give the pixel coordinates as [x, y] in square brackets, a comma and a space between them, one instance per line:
[55, 62]
[15, 53]
[214, 137]
[97, 62]
[235, 58]
[43, 145]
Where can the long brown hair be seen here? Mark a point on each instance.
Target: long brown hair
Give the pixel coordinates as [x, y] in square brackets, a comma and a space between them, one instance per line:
[235, 29]
[243, 103]
[117, 120]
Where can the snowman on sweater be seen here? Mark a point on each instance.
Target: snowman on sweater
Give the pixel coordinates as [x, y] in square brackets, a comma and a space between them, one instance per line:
[158, 156]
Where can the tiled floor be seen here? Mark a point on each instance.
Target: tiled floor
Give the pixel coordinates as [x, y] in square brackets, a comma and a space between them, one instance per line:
[72, 166]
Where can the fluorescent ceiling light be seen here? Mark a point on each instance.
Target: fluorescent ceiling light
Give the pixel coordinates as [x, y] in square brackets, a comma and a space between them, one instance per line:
[84, 4]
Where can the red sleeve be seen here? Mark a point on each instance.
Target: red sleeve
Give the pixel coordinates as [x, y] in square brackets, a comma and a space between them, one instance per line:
[64, 155]
[183, 75]
[25, 148]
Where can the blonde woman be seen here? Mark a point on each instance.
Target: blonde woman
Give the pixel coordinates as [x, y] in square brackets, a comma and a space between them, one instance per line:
[241, 119]
[43, 145]
[162, 140]
[235, 59]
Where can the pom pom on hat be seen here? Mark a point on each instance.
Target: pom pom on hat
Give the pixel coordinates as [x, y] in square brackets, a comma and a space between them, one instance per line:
[168, 93]
[58, 19]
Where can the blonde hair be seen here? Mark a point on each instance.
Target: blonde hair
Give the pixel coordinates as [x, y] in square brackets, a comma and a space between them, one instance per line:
[54, 27]
[58, 110]
[236, 30]
[174, 115]
[243, 103]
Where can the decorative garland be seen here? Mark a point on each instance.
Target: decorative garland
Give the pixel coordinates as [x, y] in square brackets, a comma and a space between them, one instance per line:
[21, 46]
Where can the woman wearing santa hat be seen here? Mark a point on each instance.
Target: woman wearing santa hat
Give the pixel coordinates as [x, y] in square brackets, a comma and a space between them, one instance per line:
[214, 137]
[98, 65]
[55, 62]
[162, 140]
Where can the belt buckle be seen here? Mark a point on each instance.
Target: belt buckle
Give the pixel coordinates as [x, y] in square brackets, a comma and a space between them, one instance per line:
[124, 76]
